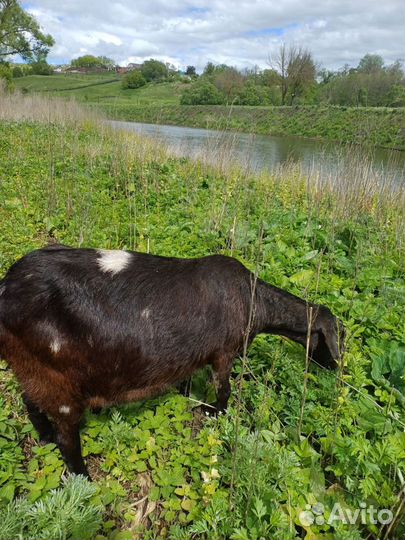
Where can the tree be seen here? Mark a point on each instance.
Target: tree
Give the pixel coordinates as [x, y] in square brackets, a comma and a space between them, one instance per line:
[326, 75]
[301, 72]
[89, 61]
[371, 84]
[107, 62]
[269, 77]
[133, 79]
[371, 63]
[154, 70]
[396, 96]
[296, 70]
[229, 81]
[280, 64]
[190, 71]
[20, 33]
[209, 69]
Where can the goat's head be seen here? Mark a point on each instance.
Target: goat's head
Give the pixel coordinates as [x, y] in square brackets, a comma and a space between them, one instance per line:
[327, 345]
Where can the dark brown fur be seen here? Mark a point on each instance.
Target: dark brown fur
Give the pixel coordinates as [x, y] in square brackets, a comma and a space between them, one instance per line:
[77, 336]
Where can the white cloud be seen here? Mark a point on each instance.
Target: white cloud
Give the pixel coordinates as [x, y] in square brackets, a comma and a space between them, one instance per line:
[237, 32]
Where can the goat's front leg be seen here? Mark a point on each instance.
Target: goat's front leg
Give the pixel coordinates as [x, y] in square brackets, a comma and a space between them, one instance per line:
[222, 371]
[68, 441]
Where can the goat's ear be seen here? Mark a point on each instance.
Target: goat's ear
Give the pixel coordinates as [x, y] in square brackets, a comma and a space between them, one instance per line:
[333, 334]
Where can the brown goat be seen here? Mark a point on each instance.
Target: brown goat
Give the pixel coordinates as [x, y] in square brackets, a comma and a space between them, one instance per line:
[90, 328]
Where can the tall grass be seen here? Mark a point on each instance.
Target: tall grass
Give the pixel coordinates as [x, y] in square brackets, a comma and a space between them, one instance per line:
[16, 106]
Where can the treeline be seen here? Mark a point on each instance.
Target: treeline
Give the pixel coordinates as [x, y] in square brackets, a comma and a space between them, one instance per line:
[9, 71]
[293, 79]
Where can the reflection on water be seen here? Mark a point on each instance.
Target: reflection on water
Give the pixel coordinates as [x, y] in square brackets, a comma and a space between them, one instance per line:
[267, 152]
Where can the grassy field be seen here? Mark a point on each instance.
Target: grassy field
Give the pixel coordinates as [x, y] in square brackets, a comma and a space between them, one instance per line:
[160, 468]
[160, 103]
[100, 89]
[62, 82]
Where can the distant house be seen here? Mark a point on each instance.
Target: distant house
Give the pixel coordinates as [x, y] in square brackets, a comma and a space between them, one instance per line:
[129, 67]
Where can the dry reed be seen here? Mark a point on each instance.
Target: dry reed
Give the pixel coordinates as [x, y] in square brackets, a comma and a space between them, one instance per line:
[18, 107]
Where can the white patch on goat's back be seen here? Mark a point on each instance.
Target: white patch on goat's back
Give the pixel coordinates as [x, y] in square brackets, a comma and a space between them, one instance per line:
[64, 409]
[145, 313]
[2, 289]
[113, 260]
[55, 345]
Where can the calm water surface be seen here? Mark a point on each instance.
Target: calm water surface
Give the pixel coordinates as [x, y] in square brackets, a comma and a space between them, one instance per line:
[261, 152]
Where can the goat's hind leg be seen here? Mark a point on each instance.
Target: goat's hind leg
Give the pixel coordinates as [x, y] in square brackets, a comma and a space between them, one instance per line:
[40, 421]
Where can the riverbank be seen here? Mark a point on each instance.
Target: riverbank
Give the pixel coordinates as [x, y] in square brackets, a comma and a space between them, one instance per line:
[366, 126]
[159, 103]
[161, 469]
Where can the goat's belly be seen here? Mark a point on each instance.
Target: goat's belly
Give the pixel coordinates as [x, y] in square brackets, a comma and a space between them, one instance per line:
[127, 396]
[137, 378]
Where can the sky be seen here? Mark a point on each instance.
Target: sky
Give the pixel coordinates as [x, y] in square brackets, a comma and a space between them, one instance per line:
[236, 32]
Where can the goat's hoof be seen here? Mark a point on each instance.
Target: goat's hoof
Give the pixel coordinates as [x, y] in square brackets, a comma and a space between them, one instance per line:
[209, 410]
[82, 472]
[47, 439]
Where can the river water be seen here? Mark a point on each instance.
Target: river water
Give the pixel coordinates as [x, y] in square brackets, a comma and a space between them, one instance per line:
[268, 152]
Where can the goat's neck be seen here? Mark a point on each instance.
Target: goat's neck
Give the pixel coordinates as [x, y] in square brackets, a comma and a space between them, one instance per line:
[279, 312]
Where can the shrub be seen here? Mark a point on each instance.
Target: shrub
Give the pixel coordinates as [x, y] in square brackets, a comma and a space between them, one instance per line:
[153, 70]
[41, 68]
[17, 72]
[6, 75]
[253, 94]
[133, 79]
[202, 93]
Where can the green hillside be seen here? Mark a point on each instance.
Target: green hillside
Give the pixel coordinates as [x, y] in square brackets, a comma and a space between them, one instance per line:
[101, 88]
[61, 82]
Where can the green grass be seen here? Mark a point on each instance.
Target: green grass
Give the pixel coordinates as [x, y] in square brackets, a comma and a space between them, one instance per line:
[160, 468]
[101, 88]
[61, 82]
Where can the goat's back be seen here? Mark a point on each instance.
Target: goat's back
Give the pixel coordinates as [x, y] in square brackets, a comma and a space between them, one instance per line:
[113, 314]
